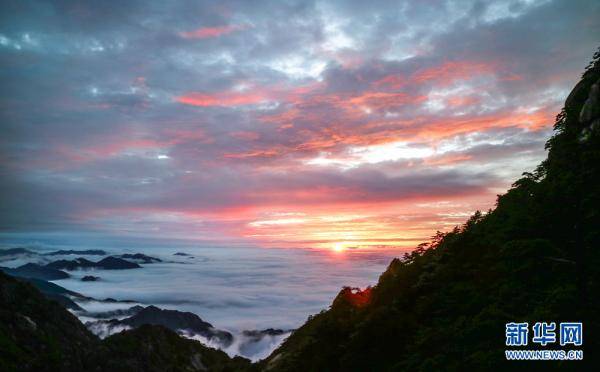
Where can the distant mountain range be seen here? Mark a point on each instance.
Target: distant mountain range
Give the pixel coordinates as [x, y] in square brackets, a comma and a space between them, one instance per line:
[90, 252]
[108, 263]
[31, 270]
[53, 270]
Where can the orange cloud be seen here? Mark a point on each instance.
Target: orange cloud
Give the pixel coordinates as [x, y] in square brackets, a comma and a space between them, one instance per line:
[356, 224]
[210, 32]
[451, 159]
[221, 99]
[453, 126]
[457, 101]
[253, 154]
[381, 100]
[451, 71]
[337, 133]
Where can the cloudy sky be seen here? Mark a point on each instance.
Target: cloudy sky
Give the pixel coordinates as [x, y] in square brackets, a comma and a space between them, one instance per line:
[277, 123]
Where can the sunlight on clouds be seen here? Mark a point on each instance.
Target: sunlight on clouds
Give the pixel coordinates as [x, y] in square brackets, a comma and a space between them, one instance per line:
[335, 231]
[467, 141]
[432, 153]
[440, 99]
[399, 52]
[358, 156]
[335, 38]
[299, 67]
[390, 152]
[281, 221]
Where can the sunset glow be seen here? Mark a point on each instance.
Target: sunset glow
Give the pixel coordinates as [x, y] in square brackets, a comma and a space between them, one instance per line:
[298, 185]
[338, 247]
[316, 125]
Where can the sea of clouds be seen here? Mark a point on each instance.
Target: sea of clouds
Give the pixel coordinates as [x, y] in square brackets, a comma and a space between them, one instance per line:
[234, 289]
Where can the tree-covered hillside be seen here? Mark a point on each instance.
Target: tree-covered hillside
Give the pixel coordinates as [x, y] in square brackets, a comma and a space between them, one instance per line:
[444, 306]
[38, 334]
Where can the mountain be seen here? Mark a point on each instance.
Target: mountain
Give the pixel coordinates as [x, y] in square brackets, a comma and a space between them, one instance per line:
[57, 293]
[37, 334]
[155, 348]
[64, 296]
[140, 258]
[178, 320]
[114, 263]
[174, 320]
[108, 263]
[445, 305]
[78, 263]
[14, 253]
[258, 334]
[90, 252]
[116, 313]
[36, 271]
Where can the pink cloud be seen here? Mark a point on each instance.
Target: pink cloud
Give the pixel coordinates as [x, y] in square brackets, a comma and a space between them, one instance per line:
[451, 71]
[251, 95]
[210, 32]
[391, 81]
[222, 99]
[245, 135]
[268, 153]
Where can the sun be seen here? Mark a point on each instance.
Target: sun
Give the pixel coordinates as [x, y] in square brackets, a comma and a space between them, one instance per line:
[338, 247]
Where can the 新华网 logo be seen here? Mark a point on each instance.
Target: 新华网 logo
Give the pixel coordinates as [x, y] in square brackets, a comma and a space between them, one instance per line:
[544, 334]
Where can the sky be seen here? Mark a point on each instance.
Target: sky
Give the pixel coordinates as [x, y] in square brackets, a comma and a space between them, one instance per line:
[327, 124]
